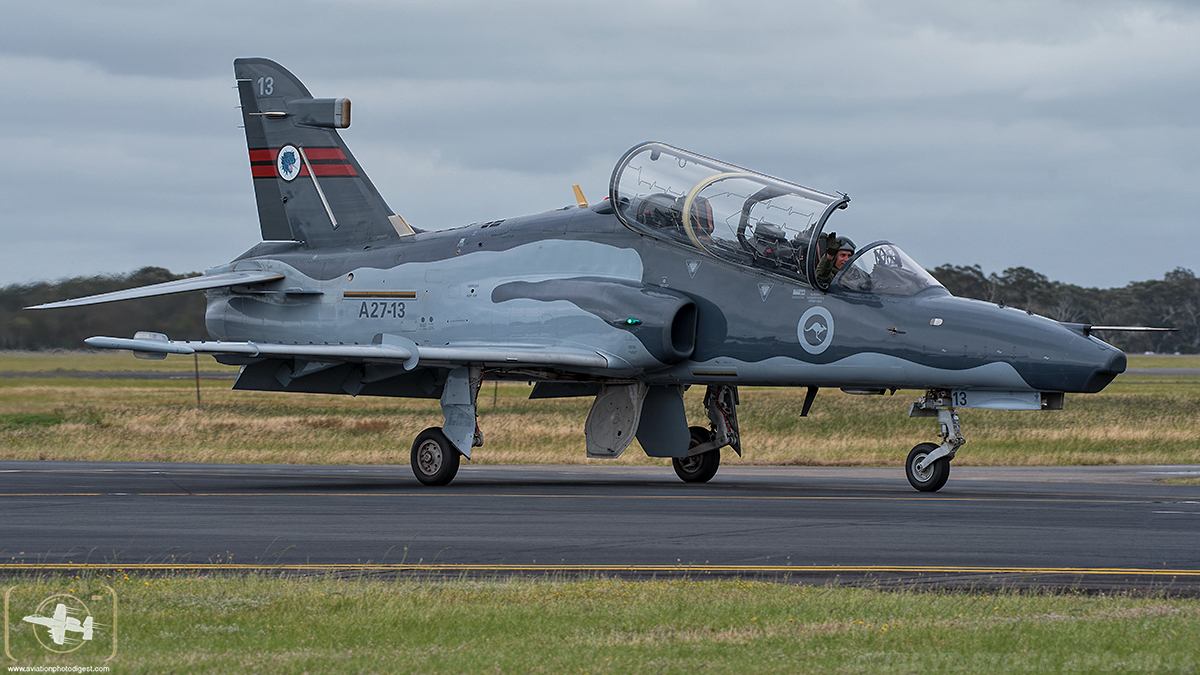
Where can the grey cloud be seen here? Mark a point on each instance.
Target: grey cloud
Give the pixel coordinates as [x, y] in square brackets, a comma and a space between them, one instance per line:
[963, 131]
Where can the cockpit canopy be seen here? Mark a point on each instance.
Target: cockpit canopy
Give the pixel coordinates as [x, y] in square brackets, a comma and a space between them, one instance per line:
[745, 218]
[883, 268]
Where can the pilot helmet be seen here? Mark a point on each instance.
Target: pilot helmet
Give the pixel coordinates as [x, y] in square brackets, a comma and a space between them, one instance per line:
[844, 244]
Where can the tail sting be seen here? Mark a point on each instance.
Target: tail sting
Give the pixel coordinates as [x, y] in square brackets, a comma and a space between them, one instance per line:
[308, 186]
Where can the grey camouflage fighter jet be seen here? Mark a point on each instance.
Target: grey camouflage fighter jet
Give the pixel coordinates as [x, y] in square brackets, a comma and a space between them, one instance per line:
[692, 272]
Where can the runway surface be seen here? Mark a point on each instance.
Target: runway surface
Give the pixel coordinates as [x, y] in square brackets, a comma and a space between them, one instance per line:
[1094, 527]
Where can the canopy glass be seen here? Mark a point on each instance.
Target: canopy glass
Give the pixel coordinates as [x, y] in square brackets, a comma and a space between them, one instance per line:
[745, 218]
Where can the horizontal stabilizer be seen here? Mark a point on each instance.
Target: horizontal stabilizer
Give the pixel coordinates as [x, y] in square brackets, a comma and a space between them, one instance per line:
[169, 288]
[511, 356]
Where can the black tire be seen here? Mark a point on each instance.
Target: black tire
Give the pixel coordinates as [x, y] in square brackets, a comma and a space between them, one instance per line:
[934, 476]
[434, 459]
[698, 468]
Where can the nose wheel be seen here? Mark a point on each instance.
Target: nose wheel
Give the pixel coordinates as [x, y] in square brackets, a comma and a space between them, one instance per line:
[933, 476]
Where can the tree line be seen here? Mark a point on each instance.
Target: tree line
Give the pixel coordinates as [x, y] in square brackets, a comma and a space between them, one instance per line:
[179, 316]
[1173, 301]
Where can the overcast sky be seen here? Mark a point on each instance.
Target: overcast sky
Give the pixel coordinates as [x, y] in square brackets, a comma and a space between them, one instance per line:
[1063, 136]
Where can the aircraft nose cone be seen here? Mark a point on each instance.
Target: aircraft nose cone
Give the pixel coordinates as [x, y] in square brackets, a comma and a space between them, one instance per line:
[1113, 366]
[1116, 364]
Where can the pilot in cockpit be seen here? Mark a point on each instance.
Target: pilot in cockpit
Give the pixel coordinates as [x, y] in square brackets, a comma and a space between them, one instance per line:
[837, 251]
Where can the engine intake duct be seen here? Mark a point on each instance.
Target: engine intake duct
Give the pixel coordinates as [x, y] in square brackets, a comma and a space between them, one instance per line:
[663, 320]
[679, 339]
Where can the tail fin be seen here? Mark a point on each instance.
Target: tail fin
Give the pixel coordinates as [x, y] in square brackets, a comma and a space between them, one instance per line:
[308, 185]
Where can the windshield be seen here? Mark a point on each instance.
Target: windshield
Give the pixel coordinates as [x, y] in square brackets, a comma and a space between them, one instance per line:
[883, 268]
[723, 210]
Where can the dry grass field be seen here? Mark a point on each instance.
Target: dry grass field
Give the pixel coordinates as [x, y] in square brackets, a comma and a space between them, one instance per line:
[73, 415]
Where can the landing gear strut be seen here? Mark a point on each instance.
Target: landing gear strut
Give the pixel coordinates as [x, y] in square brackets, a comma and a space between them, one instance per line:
[928, 464]
[436, 451]
[704, 451]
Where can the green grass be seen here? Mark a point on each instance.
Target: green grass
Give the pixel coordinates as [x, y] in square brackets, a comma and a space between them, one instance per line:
[186, 624]
[1164, 361]
[18, 421]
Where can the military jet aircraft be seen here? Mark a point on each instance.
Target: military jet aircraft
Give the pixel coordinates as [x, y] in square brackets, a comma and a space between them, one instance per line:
[60, 623]
[692, 272]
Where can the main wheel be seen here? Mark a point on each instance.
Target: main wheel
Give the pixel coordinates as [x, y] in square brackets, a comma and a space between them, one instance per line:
[434, 459]
[698, 468]
[934, 476]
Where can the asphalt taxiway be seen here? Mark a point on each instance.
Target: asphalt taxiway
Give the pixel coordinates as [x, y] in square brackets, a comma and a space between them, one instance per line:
[1094, 527]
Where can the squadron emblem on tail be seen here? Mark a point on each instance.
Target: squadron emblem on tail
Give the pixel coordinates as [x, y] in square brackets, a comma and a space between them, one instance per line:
[288, 163]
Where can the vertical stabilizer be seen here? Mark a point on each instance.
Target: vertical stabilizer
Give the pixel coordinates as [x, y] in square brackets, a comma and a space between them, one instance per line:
[308, 186]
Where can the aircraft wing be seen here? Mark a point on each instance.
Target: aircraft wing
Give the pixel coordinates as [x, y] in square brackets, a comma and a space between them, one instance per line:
[58, 630]
[389, 349]
[168, 288]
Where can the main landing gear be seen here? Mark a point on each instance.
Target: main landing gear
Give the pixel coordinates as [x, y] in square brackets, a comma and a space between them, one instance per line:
[928, 464]
[704, 450]
[656, 416]
[698, 468]
[436, 451]
[434, 459]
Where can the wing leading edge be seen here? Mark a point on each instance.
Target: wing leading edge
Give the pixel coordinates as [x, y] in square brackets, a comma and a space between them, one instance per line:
[388, 349]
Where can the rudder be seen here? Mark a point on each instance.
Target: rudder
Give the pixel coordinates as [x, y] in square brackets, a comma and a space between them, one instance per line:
[308, 185]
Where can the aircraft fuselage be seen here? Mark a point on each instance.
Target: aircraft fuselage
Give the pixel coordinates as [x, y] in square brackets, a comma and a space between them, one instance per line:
[479, 284]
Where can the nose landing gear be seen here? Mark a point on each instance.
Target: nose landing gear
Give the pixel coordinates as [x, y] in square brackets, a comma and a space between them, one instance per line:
[928, 465]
